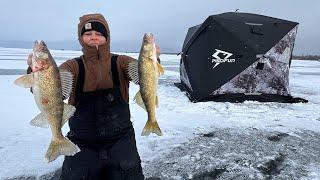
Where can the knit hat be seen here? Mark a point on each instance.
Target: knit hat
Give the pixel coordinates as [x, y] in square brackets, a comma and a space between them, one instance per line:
[94, 25]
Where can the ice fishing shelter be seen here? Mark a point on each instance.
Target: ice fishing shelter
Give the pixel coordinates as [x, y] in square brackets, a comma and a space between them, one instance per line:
[238, 56]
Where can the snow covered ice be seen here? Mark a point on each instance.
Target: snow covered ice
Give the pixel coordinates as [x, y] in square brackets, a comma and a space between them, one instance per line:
[205, 140]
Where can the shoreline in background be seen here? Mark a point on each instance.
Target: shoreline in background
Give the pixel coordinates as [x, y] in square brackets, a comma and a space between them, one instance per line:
[306, 57]
[130, 46]
[26, 45]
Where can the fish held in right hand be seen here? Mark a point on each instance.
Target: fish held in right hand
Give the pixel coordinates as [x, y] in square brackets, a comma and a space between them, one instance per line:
[146, 72]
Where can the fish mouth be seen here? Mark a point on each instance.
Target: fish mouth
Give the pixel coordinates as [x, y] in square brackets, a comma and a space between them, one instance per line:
[39, 43]
[39, 46]
[40, 56]
[40, 50]
[148, 38]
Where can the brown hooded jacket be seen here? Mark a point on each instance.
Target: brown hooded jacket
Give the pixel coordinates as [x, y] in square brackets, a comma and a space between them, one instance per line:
[97, 63]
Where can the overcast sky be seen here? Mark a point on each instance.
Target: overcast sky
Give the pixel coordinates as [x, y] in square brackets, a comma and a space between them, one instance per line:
[169, 20]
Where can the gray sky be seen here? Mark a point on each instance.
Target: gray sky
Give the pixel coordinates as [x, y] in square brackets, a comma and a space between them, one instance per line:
[169, 20]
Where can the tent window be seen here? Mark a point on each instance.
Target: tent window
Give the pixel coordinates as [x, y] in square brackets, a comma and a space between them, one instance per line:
[256, 30]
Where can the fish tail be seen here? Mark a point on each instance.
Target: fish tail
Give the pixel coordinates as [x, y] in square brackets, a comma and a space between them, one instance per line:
[151, 127]
[60, 147]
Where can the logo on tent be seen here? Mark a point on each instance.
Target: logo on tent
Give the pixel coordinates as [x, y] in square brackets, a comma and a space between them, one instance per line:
[219, 60]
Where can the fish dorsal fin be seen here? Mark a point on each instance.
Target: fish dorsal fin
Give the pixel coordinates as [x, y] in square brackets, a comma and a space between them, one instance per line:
[66, 82]
[133, 71]
[160, 69]
[25, 81]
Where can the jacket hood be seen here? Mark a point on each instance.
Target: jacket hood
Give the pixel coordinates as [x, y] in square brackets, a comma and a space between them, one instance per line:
[90, 18]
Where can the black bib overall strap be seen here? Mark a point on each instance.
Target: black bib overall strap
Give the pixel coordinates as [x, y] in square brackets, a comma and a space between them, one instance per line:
[114, 70]
[102, 114]
[80, 79]
[101, 127]
[80, 83]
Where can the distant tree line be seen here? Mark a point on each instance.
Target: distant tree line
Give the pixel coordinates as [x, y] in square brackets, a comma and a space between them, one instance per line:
[306, 57]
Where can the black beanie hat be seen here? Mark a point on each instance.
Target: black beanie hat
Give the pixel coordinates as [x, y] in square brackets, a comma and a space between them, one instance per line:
[97, 26]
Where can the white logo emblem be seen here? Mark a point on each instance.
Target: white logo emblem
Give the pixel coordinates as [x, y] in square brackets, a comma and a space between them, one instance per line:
[219, 60]
[87, 26]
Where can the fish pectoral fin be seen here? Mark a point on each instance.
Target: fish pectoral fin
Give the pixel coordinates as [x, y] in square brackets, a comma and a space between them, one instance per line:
[68, 111]
[133, 71]
[139, 101]
[40, 121]
[66, 82]
[160, 69]
[25, 81]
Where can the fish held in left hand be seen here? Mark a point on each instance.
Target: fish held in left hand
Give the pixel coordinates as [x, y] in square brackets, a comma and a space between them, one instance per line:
[50, 85]
[146, 72]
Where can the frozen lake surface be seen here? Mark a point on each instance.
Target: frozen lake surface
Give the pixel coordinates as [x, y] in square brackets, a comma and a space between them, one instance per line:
[205, 140]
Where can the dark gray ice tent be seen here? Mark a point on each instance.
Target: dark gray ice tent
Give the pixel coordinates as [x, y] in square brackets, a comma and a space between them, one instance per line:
[236, 57]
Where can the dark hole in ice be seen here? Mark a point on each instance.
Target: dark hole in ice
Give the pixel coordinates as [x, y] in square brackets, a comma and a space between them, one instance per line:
[211, 134]
[272, 167]
[153, 178]
[260, 66]
[277, 137]
[210, 175]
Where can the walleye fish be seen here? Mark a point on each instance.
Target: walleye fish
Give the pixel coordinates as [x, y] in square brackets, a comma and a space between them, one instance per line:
[49, 86]
[145, 72]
